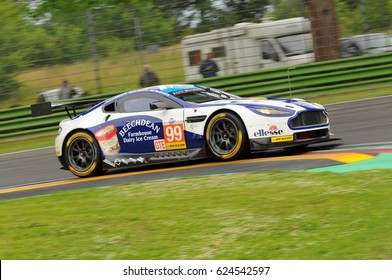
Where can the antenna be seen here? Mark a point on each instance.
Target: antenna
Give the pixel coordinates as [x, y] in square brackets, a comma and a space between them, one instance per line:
[288, 78]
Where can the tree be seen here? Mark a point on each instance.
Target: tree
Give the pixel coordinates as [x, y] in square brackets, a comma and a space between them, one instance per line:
[246, 10]
[109, 20]
[361, 16]
[349, 19]
[205, 15]
[322, 14]
[288, 8]
[14, 33]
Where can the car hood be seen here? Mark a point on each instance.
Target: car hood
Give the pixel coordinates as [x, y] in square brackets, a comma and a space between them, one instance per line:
[291, 104]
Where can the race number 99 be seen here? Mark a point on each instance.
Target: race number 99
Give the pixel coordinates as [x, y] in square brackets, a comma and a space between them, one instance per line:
[174, 133]
[174, 136]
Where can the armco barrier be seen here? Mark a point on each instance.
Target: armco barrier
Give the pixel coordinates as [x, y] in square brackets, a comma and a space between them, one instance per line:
[337, 76]
[14, 113]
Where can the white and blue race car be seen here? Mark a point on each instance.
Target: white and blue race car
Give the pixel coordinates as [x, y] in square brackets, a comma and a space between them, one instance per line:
[183, 122]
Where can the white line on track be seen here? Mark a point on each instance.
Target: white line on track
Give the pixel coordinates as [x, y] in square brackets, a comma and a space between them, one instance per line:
[25, 151]
[359, 100]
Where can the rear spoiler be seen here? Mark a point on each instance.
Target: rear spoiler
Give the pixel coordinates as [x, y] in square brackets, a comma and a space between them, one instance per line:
[47, 108]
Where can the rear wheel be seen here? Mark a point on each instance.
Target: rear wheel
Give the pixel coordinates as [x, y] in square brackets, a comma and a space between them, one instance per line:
[226, 136]
[82, 155]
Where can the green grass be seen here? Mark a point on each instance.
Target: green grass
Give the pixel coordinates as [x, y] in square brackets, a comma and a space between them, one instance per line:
[23, 143]
[267, 215]
[350, 96]
[118, 73]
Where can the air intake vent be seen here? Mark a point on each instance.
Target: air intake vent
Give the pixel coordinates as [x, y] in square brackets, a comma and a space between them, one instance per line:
[309, 118]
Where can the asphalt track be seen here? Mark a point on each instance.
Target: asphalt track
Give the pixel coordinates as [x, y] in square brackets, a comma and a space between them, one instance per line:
[364, 128]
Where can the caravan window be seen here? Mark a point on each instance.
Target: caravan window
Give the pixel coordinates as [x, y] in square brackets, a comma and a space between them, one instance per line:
[218, 52]
[296, 44]
[268, 51]
[194, 57]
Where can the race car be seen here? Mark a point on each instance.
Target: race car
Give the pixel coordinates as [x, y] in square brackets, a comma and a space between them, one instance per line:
[168, 123]
[54, 95]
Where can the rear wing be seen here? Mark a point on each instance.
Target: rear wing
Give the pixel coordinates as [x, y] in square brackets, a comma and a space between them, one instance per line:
[47, 108]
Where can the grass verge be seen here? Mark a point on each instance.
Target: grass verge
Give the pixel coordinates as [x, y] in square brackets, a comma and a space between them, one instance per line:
[266, 215]
[22, 143]
[350, 96]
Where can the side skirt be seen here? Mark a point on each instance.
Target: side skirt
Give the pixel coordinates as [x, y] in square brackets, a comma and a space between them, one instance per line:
[137, 160]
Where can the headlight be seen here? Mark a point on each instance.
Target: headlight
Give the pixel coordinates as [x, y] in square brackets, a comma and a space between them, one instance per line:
[273, 111]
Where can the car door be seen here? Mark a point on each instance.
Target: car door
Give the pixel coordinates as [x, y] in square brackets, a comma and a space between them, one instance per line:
[149, 123]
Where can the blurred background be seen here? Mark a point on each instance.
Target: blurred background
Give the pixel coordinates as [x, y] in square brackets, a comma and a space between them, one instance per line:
[101, 46]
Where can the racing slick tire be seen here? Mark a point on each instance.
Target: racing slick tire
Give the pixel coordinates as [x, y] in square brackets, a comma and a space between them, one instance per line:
[83, 155]
[226, 136]
[62, 161]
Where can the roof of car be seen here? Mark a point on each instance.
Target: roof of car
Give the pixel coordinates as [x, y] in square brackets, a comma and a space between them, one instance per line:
[170, 88]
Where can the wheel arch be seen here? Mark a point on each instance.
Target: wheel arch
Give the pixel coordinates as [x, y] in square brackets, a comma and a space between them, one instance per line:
[61, 158]
[95, 167]
[225, 111]
[245, 148]
[72, 132]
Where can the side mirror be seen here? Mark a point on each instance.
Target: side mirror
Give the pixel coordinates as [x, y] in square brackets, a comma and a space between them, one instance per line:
[156, 105]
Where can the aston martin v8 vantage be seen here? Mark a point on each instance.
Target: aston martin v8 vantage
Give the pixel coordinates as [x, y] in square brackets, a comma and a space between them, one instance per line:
[182, 122]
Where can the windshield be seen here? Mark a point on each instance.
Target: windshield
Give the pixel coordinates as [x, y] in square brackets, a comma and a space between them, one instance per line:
[202, 95]
[296, 44]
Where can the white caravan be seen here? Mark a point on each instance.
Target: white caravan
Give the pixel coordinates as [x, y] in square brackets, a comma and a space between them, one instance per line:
[247, 47]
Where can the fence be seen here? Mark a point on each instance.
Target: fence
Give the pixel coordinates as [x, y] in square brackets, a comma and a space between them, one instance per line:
[101, 49]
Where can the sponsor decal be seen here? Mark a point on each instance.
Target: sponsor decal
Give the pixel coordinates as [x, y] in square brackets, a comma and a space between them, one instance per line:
[160, 145]
[109, 162]
[272, 131]
[174, 136]
[126, 161]
[287, 138]
[143, 134]
[188, 90]
[156, 157]
[139, 123]
[140, 136]
[275, 133]
[107, 139]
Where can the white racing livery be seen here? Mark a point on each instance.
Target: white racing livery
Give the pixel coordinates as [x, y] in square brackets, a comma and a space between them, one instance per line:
[183, 122]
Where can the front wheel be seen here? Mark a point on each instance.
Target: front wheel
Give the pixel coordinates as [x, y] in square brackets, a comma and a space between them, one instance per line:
[82, 155]
[226, 136]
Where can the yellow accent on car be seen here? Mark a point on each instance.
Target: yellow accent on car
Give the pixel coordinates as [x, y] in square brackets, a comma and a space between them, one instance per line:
[237, 148]
[84, 173]
[286, 138]
[221, 115]
[82, 134]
